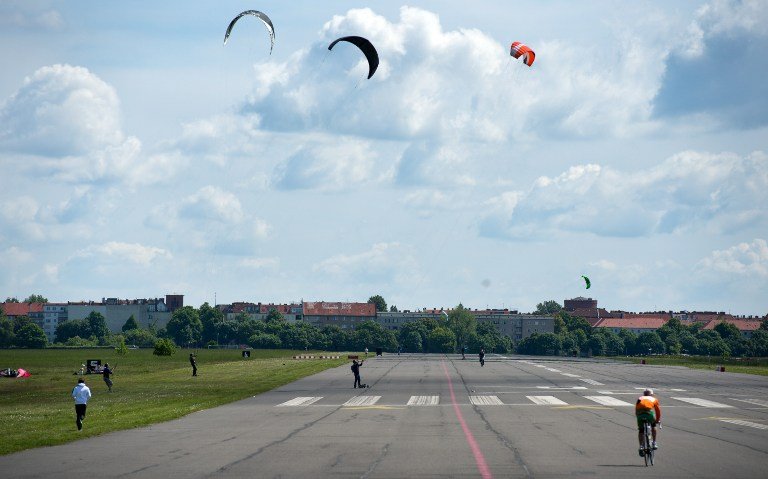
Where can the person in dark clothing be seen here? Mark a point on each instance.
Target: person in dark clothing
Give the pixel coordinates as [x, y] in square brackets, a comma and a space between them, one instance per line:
[463, 352]
[107, 372]
[193, 362]
[482, 357]
[356, 372]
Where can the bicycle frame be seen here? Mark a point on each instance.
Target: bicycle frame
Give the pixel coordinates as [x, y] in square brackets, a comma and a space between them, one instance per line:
[647, 447]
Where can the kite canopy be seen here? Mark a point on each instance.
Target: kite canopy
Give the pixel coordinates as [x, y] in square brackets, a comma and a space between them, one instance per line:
[366, 47]
[586, 280]
[22, 373]
[518, 50]
[261, 16]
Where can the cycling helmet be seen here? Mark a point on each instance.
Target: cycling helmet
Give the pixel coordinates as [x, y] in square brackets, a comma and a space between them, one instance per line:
[648, 392]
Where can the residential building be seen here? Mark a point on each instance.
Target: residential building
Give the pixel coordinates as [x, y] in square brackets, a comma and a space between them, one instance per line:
[116, 312]
[344, 315]
[258, 311]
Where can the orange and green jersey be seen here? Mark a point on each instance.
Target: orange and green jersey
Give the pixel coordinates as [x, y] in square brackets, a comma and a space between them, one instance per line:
[645, 404]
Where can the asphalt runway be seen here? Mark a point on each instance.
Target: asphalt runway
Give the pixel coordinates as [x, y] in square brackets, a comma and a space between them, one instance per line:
[439, 416]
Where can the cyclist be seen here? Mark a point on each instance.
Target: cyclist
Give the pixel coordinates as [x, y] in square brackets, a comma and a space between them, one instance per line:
[647, 408]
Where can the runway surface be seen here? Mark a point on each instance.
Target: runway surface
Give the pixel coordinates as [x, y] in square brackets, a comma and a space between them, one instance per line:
[440, 416]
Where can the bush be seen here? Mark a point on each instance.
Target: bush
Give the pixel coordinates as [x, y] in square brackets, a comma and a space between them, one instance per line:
[164, 347]
[265, 341]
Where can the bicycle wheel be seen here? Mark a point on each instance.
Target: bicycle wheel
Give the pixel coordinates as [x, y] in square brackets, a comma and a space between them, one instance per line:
[648, 456]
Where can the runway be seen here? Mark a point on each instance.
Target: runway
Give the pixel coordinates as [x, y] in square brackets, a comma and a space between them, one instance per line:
[440, 416]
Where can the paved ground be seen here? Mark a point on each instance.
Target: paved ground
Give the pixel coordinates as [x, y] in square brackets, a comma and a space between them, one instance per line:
[432, 416]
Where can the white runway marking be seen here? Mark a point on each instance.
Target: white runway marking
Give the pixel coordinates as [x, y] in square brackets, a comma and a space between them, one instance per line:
[592, 382]
[485, 401]
[540, 366]
[758, 402]
[300, 401]
[362, 401]
[614, 393]
[571, 375]
[701, 402]
[739, 422]
[547, 400]
[553, 370]
[424, 401]
[607, 401]
[562, 389]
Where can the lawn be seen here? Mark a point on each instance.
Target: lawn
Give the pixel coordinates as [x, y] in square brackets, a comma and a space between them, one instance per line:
[39, 411]
[757, 366]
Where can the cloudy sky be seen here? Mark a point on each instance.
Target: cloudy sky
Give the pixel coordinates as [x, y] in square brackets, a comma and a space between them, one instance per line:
[140, 156]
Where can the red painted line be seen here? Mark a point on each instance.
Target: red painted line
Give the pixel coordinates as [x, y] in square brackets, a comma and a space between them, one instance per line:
[482, 466]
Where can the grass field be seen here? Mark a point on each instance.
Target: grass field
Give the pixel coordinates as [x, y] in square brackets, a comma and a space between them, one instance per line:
[733, 365]
[39, 411]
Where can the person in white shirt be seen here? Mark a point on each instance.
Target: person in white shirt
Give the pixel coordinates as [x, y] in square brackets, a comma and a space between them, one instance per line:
[81, 394]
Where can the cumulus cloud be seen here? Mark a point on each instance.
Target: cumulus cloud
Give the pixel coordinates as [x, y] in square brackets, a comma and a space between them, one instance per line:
[744, 259]
[64, 121]
[118, 251]
[721, 192]
[718, 68]
[214, 220]
[346, 164]
[434, 83]
[384, 262]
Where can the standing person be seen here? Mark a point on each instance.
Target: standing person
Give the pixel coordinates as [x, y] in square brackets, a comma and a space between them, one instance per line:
[81, 394]
[482, 357]
[366, 352]
[193, 362]
[463, 352]
[106, 373]
[356, 372]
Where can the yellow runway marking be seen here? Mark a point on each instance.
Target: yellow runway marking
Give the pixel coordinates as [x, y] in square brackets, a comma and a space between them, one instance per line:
[373, 407]
[581, 407]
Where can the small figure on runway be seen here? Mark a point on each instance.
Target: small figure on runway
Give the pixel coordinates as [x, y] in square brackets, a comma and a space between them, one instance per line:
[356, 372]
[482, 357]
[193, 362]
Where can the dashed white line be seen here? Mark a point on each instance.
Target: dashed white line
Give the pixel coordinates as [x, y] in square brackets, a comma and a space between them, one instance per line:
[592, 382]
[485, 401]
[362, 401]
[739, 422]
[757, 402]
[701, 402]
[607, 401]
[424, 401]
[571, 375]
[300, 401]
[547, 400]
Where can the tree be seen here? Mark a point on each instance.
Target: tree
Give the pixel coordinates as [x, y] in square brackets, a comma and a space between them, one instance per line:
[381, 305]
[337, 337]
[130, 324]
[140, 337]
[274, 316]
[11, 300]
[559, 325]
[7, 334]
[548, 307]
[97, 325]
[265, 341]
[596, 345]
[120, 347]
[412, 342]
[764, 324]
[462, 322]
[727, 330]
[209, 318]
[165, 347]
[31, 336]
[649, 342]
[758, 343]
[36, 298]
[393, 309]
[574, 323]
[185, 327]
[441, 340]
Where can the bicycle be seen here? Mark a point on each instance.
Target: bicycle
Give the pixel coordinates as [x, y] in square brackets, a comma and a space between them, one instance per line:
[648, 450]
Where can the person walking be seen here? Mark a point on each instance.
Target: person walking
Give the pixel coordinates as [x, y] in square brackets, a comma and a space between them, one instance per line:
[482, 357]
[463, 352]
[81, 394]
[193, 362]
[356, 372]
[366, 352]
[106, 373]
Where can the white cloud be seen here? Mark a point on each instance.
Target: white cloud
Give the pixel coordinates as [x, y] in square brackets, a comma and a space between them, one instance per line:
[118, 251]
[260, 263]
[458, 84]
[346, 164]
[383, 263]
[721, 192]
[212, 203]
[744, 259]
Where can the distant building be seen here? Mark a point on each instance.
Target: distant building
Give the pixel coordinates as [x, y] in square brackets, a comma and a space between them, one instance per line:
[745, 326]
[146, 312]
[636, 325]
[344, 315]
[53, 315]
[258, 311]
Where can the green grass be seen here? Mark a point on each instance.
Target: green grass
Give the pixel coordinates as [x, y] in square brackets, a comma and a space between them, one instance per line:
[758, 366]
[39, 410]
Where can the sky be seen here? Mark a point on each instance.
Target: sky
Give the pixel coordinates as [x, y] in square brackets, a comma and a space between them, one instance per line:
[140, 156]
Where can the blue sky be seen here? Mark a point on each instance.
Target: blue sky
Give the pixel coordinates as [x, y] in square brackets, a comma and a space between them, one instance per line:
[140, 156]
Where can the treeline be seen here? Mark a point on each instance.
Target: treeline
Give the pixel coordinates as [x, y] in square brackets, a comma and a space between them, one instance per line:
[574, 336]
